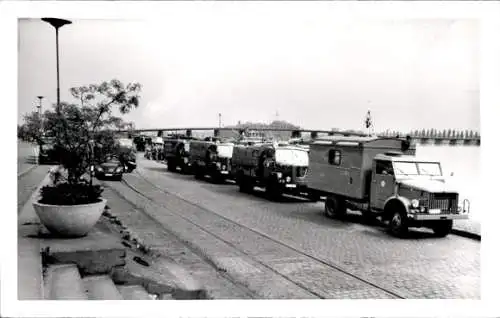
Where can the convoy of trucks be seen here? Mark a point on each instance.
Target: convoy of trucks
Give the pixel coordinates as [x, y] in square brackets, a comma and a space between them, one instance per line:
[381, 177]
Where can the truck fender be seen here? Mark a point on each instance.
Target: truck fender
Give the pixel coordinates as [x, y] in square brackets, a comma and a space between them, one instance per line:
[402, 201]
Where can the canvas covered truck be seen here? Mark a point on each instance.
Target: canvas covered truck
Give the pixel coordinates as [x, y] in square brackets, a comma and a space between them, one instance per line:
[176, 152]
[211, 158]
[383, 177]
[278, 168]
[124, 150]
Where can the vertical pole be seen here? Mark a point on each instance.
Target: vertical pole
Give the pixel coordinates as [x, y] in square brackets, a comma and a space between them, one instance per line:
[220, 115]
[40, 114]
[57, 65]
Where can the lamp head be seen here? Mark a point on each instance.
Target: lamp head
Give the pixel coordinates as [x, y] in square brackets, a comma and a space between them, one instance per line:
[56, 23]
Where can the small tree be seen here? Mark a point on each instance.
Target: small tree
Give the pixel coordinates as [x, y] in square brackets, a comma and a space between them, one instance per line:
[32, 125]
[78, 129]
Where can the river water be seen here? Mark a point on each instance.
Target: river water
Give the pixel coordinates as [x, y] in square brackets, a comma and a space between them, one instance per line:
[464, 162]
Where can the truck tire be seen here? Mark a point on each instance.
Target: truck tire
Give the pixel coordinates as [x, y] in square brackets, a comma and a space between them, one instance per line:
[198, 172]
[170, 165]
[335, 207]
[273, 192]
[442, 228]
[398, 224]
[244, 184]
[216, 177]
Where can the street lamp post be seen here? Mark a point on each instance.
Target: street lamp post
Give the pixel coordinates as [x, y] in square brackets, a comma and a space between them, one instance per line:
[40, 113]
[57, 23]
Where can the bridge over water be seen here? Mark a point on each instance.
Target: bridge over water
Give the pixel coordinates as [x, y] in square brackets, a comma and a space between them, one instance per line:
[296, 133]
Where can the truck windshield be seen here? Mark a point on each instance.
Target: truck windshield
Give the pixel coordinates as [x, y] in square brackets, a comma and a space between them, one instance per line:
[225, 151]
[124, 142]
[417, 168]
[405, 168]
[429, 168]
[292, 157]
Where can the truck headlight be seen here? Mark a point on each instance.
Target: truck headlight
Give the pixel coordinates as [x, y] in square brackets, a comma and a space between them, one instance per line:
[119, 169]
[279, 174]
[217, 165]
[98, 168]
[414, 203]
[288, 179]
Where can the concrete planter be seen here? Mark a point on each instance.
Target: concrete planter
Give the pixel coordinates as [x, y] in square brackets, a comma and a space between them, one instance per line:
[69, 220]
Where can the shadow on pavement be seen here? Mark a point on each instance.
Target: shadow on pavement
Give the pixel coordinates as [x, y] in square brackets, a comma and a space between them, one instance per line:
[157, 169]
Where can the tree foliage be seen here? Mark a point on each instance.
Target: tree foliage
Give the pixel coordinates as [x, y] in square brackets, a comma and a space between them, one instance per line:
[82, 130]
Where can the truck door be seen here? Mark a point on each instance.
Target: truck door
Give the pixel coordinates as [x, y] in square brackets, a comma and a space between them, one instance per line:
[267, 163]
[382, 186]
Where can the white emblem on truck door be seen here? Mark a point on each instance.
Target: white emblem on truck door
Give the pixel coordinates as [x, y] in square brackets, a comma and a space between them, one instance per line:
[382, 184]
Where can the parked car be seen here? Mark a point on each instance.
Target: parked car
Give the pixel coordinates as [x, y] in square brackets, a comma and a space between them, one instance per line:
[47, 153]
[111, 168]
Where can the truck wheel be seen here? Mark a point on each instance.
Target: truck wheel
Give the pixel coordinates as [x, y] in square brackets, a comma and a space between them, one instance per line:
[244, 184]
[443, 228]
[170, 165]
[398, 224]
[273, 192]
[216, 177]
[198, 172]
[335, 207]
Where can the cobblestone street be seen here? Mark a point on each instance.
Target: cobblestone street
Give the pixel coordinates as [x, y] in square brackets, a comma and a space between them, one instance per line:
[248, 234]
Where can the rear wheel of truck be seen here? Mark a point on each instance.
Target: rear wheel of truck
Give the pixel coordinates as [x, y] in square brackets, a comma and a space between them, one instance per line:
[335, 207]
[398, 224]
[216, 177]
[443, 228]
[273, 192]
[198, 173]
[170, 165]
[244, 184]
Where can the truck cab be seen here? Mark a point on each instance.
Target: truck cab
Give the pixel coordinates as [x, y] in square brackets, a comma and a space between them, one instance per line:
[410, 191]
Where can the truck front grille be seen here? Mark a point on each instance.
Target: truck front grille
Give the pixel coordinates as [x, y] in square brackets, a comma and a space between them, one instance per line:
[443, 201]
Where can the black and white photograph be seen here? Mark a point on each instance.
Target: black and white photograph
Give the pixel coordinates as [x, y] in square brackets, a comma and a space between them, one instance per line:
[214, 151]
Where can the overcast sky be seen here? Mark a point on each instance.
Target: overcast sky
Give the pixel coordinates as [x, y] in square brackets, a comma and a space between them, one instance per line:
[309, 70]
